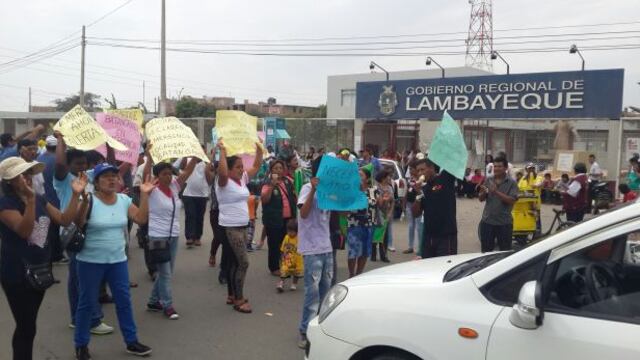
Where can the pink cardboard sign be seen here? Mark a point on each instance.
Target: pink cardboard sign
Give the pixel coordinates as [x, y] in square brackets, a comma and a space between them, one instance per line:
[123, 130]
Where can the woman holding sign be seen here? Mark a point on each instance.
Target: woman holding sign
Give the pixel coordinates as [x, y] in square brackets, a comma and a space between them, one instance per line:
[232, 194]
[278, 206]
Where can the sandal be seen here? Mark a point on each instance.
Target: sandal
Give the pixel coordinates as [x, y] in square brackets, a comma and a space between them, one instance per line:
[243, 307]
[212, 261]
[230, 300]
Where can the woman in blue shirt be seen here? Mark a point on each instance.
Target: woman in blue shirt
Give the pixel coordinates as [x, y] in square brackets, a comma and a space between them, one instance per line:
[103, 258]
[24, 220]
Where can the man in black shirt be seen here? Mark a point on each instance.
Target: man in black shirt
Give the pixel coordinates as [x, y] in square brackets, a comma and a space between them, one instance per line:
[436, 201]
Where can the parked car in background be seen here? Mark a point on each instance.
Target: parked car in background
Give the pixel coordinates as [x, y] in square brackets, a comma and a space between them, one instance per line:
[399, 184]
[573, 295]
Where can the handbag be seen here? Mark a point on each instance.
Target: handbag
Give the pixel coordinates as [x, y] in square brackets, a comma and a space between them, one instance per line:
[159, 251]
[40, 276]
[73, 237]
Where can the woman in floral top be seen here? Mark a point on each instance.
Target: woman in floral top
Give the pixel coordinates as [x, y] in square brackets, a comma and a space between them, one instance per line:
[360, 225]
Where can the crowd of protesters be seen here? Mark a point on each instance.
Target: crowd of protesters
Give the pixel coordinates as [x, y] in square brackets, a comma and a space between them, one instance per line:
[49, 192]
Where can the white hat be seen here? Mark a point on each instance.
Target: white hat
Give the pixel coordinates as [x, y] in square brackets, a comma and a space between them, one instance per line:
[51, 140]
[12, 167]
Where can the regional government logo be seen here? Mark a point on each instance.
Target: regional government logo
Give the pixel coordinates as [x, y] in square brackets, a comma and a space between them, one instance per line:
[388, 101]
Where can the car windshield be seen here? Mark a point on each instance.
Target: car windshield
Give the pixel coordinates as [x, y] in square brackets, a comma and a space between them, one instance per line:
[391, 167]
[469, 267]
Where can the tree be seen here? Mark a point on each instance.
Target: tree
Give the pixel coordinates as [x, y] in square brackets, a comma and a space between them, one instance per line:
[91, 102]
[188, 107]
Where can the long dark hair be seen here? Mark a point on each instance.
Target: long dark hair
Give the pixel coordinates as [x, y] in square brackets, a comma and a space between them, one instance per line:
[231, 161]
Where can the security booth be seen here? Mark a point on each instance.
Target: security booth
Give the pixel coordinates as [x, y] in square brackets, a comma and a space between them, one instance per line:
[276, 134]
[529, 117]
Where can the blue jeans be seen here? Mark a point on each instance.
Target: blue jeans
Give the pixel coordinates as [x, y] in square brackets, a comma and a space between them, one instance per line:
[360, 239]
[414, 223]
[162, 287]
[72, 293]
[318, 272]
[90, 276]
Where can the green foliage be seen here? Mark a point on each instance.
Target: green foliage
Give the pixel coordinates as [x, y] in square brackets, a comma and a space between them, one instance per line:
[188, 107]
[91, 102]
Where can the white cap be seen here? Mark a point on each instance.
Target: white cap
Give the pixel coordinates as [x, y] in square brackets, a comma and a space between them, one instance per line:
[51, 140]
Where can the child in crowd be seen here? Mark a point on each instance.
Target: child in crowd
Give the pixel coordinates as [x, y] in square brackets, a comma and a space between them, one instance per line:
[628, 195]
[547, 189]
[291, 263]
[253, 207]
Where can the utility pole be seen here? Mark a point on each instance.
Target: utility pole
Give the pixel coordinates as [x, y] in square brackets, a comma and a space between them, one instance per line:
[163, 65]
[84, 44]
[29, 98]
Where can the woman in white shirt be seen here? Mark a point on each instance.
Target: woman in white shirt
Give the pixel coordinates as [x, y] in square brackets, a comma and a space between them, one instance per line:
[233, 195]
[195, 197]
[164, 225]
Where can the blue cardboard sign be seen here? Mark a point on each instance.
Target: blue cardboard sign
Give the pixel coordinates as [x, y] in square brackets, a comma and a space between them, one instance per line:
[573, 94]
[339, 185]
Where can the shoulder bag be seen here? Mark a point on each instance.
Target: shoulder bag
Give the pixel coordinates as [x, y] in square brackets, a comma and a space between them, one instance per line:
[73, 237]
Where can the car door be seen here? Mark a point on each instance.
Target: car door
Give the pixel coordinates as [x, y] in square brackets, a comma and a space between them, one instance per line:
[573, 324]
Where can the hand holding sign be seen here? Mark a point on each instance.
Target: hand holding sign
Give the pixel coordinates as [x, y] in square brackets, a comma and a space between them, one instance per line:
[239, 129]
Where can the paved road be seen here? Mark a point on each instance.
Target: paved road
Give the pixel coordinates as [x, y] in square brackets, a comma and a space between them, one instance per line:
[207, 328]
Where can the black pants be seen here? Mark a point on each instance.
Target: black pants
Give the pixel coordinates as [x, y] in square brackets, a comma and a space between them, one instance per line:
[53, 236]
[489, 234]
[218, 236]
[24, 303]
[275, 235]
[439, 245]
[194, 209]
[575, 216]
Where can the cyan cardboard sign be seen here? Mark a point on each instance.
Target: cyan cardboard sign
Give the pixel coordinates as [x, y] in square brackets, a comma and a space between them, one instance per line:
[339, 185]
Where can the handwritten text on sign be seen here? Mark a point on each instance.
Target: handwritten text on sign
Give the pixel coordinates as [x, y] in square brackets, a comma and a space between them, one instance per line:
[80, 131]
[123, 130]
[339, 186]
[134, 115]
[172, 139]
[238, 131]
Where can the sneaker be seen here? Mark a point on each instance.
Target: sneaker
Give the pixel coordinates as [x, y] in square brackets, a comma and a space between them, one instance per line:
[293, 287]
[82, 353]
[138, 349]
[302, 342]
[280, 287]
[102, 329]
[156, 307]
[392, 249]
[171, 313]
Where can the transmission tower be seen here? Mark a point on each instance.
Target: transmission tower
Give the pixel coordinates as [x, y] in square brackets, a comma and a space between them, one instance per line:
[480, 38]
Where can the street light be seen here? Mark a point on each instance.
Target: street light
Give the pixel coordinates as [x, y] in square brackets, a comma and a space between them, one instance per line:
[574, 50]
[430, 60]
[496, 55]
[373, 65]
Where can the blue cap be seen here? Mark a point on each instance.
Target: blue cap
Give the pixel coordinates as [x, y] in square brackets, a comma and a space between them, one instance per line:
[103, 168]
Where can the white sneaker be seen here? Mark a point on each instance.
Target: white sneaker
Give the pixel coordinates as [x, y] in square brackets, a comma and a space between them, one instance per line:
[293, 287]
[102, 329]
[392, 249]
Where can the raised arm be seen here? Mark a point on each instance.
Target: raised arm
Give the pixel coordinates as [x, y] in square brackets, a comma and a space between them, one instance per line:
[305, 209]
[61, 169]
[140, 215]
[209, 172]
[223, 171]
[22, 224]
[31, 134]
[257, 162]
[188, 170]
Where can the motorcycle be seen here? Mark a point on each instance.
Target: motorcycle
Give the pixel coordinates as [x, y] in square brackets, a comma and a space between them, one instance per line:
[601, 196]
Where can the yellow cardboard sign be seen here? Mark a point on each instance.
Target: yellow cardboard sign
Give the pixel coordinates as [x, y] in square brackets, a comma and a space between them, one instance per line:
[80, 131]
[134, 115]
[238, 131]
[172, 139]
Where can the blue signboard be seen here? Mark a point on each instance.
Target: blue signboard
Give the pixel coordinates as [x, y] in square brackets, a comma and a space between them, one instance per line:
[575, 94]
[270, 131]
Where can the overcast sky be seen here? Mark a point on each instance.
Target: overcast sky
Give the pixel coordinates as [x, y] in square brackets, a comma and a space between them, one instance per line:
[28, 26]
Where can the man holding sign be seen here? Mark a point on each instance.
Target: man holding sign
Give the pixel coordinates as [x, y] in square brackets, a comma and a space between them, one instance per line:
[435, 194]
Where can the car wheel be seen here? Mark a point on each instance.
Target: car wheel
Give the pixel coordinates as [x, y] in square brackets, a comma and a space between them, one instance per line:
[394, 355]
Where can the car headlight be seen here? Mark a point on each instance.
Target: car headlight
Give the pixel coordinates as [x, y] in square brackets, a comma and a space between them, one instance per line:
[333, 298]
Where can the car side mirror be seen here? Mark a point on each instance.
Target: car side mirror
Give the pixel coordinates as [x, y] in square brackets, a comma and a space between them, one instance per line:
[526, 314]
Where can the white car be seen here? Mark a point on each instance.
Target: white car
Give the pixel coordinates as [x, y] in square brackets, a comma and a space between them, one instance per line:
[573, 295]
[397, 175]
